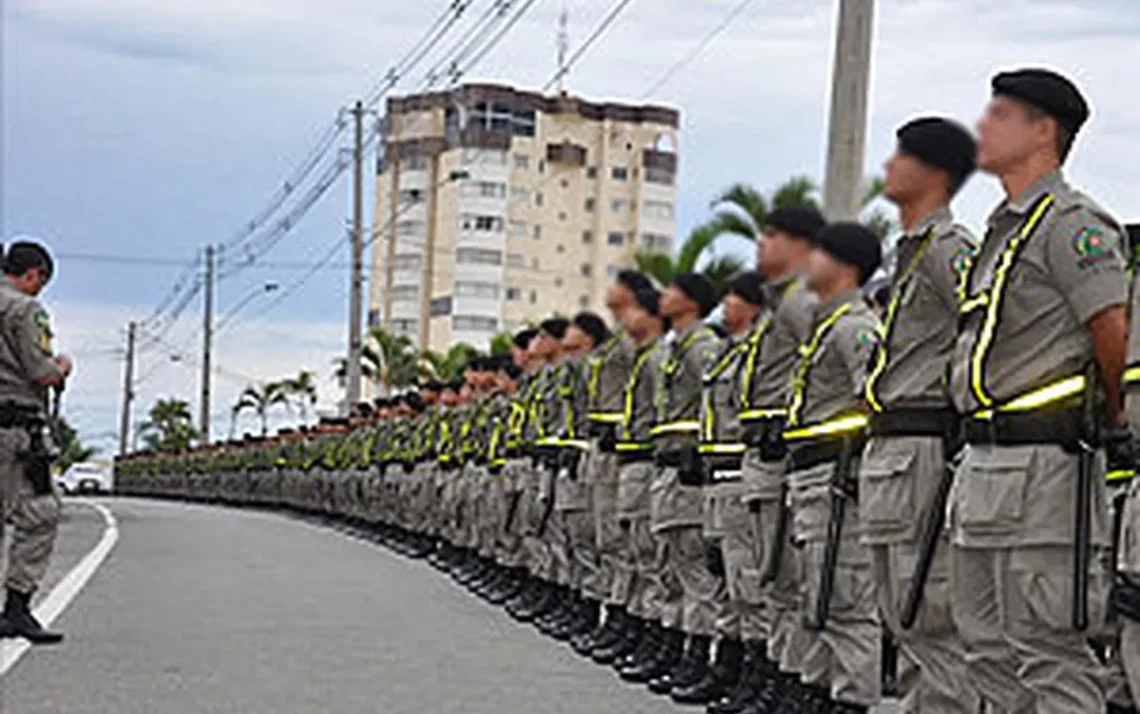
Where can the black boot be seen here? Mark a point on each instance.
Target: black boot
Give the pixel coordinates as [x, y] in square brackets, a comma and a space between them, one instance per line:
[626, 636]
[17, 620]
[755, 675]
[603, 635]
[541, 604]
[666, 657]
[716, 679]
[689, 670]
[647, 643]
[586, 618]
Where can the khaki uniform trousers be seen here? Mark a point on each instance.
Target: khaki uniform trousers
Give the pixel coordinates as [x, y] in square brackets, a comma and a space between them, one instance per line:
[1011, 570]
[34, 519]
[847, 652]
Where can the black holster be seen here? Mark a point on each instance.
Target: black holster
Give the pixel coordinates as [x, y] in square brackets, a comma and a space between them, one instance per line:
[1126, 597]
[690, 470]
[37, 462]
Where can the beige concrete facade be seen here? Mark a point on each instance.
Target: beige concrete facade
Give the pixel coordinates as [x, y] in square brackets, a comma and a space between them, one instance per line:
[496, 207]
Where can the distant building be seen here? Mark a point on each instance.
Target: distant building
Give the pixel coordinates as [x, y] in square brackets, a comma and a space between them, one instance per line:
[495, 207]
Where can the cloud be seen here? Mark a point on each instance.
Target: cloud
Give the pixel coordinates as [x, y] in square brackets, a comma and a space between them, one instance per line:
[252, 352]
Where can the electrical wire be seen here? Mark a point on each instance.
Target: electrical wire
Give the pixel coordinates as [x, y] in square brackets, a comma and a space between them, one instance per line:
[696, 51]
[594, 35]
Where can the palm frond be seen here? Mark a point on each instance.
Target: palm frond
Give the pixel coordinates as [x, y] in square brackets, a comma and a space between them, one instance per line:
[796, 191]
[659, 266]
[744, 198]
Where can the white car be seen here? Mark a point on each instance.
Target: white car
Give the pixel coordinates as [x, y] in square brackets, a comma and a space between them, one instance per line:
[86, 477]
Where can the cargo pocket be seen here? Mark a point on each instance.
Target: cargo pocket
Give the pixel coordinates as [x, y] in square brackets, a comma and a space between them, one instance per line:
[811, 506]
[1128, 557]
[887, 500]
[991, 496]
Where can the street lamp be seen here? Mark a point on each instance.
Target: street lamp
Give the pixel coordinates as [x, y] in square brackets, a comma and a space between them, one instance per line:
[266, 288]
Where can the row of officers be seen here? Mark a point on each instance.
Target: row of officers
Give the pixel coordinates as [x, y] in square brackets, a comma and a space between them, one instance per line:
[742, 517]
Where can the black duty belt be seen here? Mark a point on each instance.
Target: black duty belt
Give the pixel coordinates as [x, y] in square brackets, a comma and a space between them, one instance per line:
[914, 422]
[18, 416]
[636, 457]
[599, 430]
[758, 430]
[1059, 428]
[818, 451]
[669, 459]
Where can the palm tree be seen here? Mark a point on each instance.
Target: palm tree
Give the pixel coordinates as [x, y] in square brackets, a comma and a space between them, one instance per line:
[663, 267]
[303, 389]
[501, 343]
[169, 426]
[450, 365]
[259, 399]
[391, 360]
[370, 365]
[741, 210]
[71, 448]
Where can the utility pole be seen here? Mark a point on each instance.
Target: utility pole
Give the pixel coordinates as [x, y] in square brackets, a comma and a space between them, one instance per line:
[128, 390]
[207, 341]
[355, 342]
[847, 125]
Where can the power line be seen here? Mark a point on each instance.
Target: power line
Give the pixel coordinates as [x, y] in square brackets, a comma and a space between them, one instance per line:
[696, 51]
[157, 261]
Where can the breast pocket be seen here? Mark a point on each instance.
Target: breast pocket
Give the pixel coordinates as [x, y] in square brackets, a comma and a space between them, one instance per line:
[887, 499]
[991, 492]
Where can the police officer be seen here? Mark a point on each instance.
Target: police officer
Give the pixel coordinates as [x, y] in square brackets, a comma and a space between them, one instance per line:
[606, 374]
[824, 434]
[1045, 300]
[28, 369]
[689, 603]
[913, 425]
[771, 663]
[728, 554]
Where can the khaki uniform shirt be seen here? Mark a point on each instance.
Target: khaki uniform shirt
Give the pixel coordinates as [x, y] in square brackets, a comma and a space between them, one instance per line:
[25, 350]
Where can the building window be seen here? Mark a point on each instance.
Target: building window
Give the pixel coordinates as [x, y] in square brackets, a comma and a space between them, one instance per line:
[487, 224]
[620, 206]
[541, 165]
[655, 174]
[411, 195]
[565, 183]
[512, 325]
[522, 161]
[485, 157]
[591, 172]
[405, 293]
[558, 282]
[374, 318]
[561, 248]
[534, 263]
[516, 260]
[414, 163]
[533, 297]
[562, 215]
[518, 228]
[537, 231]
[583, 301]
[538, 198]
[408, 261]
[484, 189]
[656, 241]
[410, 227]
[589, 205]
[405, 326]
[440, 306]
[587, 237]
[658, 209]
[520, 195]
[514, 294]
[615, 238]
[619, 173]
[613, 270]
[478, 256]
[475, 289]
[476, 323]
[586, 270]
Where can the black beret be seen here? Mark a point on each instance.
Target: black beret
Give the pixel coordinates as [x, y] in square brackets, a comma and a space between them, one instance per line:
[1133, 230]
[749, 287]
[942, 143]
[555, 327]
[382, 402]
[415, 401]
[698, 289]
[339, 421]
[634, 280]
[513, 371]
[1048, 91]
[524, 337]
[797, 221]
[593, 326]
[285, 432]
[649, 300]
[364, 409]
[854, 244]
[455, 385]
[433, 385]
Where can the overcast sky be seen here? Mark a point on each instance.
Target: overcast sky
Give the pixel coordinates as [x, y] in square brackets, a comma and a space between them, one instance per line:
[150, 129]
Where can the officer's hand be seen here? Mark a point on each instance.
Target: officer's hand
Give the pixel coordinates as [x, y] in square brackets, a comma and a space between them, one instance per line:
[714, 558]
[1120, 448]
[65, 364]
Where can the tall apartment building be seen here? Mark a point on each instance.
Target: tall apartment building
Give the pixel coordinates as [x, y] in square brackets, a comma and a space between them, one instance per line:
[496, 207]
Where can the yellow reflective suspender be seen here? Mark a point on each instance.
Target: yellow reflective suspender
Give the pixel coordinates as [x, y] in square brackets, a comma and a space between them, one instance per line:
[991, 299]
[749, 372]
[708, 409]
[892, 315]
[668, 369]
[630, 388]
[807, 354]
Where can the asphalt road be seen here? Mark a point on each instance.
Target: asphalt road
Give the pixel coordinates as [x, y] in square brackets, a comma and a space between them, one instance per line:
[208, 610]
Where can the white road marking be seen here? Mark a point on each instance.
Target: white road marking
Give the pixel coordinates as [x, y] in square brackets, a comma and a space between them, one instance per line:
[65, 591]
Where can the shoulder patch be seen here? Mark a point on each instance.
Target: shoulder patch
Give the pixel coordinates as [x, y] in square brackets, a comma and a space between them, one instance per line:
[867, 338]
[40, 317]
[1090, 246]
[960, 261]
